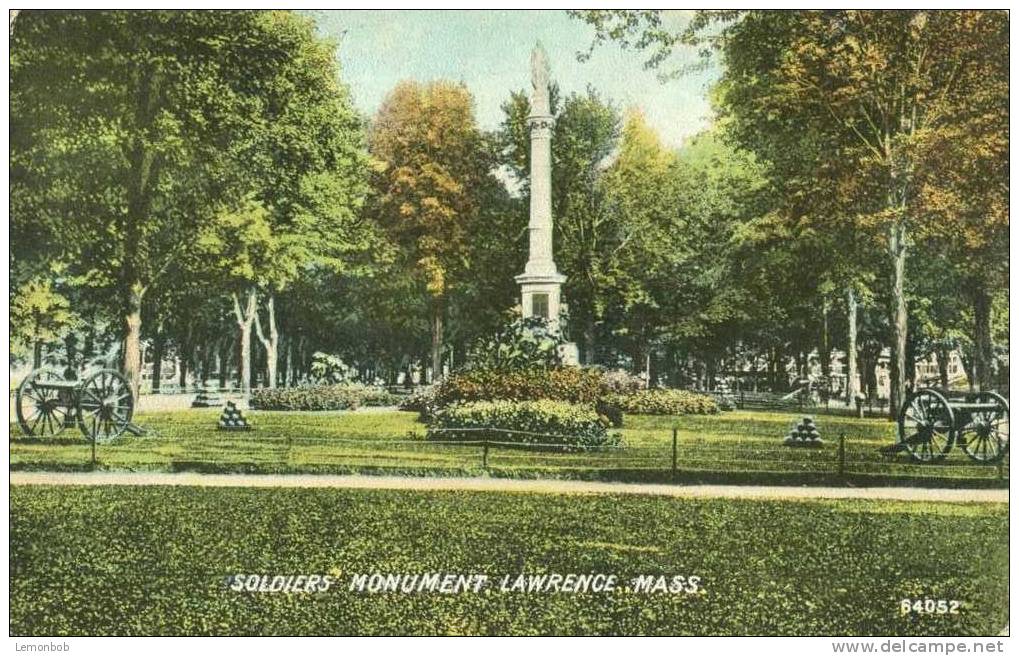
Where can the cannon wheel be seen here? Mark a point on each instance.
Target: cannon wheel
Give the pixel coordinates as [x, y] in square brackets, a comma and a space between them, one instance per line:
[927, 426]
[105, 405]
[985, 437]
[41, 412]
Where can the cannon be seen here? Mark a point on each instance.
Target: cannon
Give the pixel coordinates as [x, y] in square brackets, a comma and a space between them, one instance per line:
[100, 404]
[931, 423]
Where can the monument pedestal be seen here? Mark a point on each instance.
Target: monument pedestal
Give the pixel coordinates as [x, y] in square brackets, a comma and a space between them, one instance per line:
[540, 297]
[539, 294]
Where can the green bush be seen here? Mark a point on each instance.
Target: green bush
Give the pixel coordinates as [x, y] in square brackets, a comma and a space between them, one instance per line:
[321, 397]
[422, 400]
[376, 397]
[526, 342]
[569, 384]
[538, 422]
[664, 402]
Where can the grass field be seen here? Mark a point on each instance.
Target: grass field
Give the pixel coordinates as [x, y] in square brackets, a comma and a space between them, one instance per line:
[741, 446]
[156, 560]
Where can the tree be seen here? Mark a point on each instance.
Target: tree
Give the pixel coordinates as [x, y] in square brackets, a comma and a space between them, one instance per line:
[434, 164]
[647, 250]
[130, 130]
[877, 86]
[39, 314]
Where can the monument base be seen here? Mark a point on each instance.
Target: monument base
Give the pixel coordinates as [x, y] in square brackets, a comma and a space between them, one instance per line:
[569, 354]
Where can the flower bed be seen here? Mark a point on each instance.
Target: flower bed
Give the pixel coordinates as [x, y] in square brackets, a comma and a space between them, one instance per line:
[536, 423]
[321, 397]
[569, 384]
[664, 402]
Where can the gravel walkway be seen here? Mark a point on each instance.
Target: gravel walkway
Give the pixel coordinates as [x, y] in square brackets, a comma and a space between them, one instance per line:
[506, 485]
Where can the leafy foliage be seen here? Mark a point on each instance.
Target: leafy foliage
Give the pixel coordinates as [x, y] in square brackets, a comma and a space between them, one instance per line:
[539, 423]
[526, 343]
[664, 402]
[321, 397]
[569, 384]
[328, 369]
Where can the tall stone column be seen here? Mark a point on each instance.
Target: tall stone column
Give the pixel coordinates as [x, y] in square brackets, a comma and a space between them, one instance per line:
[540, 283]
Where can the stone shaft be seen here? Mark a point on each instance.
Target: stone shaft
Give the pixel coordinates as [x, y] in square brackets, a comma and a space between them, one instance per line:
[540, 259]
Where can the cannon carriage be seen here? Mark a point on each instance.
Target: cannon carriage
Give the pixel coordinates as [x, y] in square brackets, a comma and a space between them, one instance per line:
[100, 404]
[931, 422]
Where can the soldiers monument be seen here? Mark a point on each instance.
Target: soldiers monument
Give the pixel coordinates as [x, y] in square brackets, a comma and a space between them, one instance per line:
[540, 283]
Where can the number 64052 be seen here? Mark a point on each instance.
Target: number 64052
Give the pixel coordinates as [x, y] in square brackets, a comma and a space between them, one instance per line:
[929, 607]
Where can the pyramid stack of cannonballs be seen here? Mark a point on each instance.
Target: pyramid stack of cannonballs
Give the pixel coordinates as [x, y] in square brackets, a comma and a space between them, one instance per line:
[206, 398]
[232, 419]
[804, 433]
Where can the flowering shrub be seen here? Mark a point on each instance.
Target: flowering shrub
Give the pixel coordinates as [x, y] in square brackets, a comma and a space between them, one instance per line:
[321, 397]
[664, 402]
[618, 381]
[422, 400]
[538, 422]
[571, 384]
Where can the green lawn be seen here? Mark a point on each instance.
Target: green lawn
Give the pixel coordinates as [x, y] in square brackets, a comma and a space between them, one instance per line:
[740, 446]
[156, 560]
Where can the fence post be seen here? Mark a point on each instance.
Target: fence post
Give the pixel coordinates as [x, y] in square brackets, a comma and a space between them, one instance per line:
[1001, 468]
[675, 450]
[93, 453]
[842, 454]
[484, 455]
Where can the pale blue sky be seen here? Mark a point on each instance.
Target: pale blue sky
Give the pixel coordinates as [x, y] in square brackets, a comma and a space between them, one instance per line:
[490, 52]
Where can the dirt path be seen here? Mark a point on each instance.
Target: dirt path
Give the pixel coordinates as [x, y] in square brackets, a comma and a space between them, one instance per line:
[506, 485]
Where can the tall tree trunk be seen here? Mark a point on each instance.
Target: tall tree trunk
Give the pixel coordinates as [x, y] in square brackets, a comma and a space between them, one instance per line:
[208, 355]
[183, 371]
[825, 354]
[437, 312]
[298, 362]
[271, 344]
[224, 361]
[288, 359]
[244, 320]
[158, 351]
[132, 339]
[89, 347]
[943, 353]
[851, 384]
[144, 169]
[589, 342]
[969, 366]
[983, 355]
[899, 318]
[37, 355]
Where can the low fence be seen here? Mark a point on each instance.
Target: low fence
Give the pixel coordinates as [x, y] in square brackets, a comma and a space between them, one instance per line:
[747, 400]
[675, 457]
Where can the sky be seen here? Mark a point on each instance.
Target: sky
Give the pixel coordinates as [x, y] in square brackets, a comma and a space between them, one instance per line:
[490, 52]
